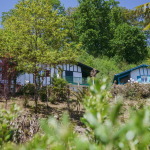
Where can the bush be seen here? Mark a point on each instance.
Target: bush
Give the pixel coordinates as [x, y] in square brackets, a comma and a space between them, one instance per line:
[58, 89]
[132, 90]
[25, 100]
[104, 132]
[43, 93]
[6, 118]
[27, 89]
[53, 98]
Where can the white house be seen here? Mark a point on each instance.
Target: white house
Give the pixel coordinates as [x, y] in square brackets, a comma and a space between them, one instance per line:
[140, 74]
[74, 74]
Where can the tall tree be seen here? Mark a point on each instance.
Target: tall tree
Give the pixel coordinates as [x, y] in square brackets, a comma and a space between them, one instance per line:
[36, 35]
[55, 3]
[92, 25]
[129, 44]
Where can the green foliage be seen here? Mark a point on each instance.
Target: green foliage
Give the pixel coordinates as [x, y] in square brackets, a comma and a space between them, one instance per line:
[25, 100]
[107, 66]
[6, 130]
[43, 93]
[58, 82]
[35, 34]
[104, 131]
[55, 3]
[129, 44]
[91, 23]
[58, 89]
[27, 89]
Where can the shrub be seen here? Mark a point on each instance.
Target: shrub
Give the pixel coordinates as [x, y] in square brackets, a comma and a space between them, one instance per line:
[27, 89]
[6, 118]
[53, 98]
[133, 90]
[25, 100]
[43, 93]
[104, 132]
[59, 88]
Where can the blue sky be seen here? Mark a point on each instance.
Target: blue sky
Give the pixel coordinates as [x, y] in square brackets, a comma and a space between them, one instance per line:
[6, 5]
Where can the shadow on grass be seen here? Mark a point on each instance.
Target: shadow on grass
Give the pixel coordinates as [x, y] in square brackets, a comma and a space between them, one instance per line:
[45, 112]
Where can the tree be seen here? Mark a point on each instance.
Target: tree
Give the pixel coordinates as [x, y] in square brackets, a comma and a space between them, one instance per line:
[129, 43]
[7, 76]
[36, 35]
[92, 25]
[55, 3]
[139, 16]
[143, 11]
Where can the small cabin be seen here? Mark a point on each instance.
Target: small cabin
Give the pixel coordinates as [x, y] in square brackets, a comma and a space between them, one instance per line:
[139, 74]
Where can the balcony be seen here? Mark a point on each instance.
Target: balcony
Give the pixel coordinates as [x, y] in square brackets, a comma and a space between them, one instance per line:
[76, 80]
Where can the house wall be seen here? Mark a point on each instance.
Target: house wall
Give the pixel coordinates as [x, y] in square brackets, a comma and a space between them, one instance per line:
[77, 72]
[143, 71]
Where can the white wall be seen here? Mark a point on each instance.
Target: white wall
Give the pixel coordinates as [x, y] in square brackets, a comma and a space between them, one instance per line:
[79, 69]
[68, 67]
[75, 67]
[139, 72]
[64, 66]
[71, 67]
[29, 77]
[77, 74]
[21, 79]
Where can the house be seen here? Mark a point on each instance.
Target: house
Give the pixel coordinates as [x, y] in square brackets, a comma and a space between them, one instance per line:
[139, 74]
[74, 74]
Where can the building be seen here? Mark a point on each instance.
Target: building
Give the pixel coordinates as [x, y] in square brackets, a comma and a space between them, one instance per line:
[74, 74]
[139, 74]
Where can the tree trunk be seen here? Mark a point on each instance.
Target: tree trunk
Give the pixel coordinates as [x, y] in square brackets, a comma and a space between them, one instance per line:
[68, 96]
[6, 104]
[47, 95]
[9, 83]
[14, 89]
[35, 90]
[41, 86]
[93, 80]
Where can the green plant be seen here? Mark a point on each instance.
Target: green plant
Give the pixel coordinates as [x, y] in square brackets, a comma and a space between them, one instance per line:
[79, 94]
[6, 130]
[29, 89]
[104, 131]
[25, 100]
[53, 98]
[43, 93]
[59, 88]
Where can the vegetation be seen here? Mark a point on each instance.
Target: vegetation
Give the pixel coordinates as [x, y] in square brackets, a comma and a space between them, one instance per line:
[103, 131]
[127, 41]
[39, 34]
[132, 90]
[36, 36]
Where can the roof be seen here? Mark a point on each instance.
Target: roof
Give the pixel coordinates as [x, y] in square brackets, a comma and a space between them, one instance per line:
[85, 67]
[128, 71]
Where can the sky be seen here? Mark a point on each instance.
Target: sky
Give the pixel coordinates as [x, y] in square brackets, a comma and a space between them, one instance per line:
[6, 5]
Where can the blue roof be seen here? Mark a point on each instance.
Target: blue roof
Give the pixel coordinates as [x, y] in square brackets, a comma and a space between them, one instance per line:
[128, 71]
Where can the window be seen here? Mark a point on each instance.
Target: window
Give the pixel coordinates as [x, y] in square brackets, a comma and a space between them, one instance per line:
[48, 73]
[144, 78]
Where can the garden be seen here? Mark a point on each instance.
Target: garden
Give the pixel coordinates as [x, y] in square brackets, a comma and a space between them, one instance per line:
[39, 34]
